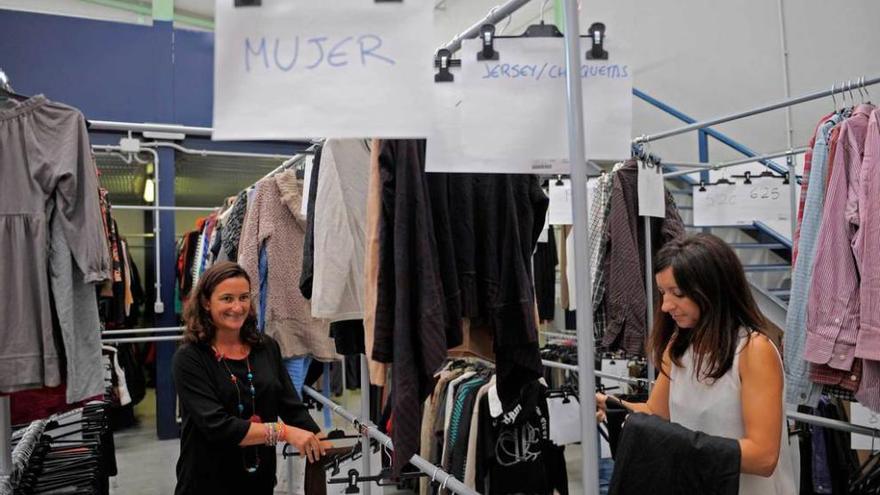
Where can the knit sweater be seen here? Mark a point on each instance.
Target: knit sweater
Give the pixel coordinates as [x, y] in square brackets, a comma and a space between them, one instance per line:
[274, 218]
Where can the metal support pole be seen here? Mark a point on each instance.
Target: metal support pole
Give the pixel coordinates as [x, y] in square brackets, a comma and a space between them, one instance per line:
[5, 437]
[370, 430]
[365, 418]
[577, 153]
[649, 299]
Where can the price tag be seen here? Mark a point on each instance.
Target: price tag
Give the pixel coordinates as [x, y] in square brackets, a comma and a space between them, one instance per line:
[861, 415]
[565, 420]
[652, 192]
[616, 367]
[560, 202]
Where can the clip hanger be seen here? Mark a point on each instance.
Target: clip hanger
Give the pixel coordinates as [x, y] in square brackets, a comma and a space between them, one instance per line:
[443, 61]
[597, 50]
[487, 36]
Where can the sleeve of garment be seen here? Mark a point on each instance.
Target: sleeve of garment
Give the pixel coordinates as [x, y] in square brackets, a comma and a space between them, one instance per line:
[673, 226]
[193, 384]
[68, 173]
[249, 244]
[290, 408]
[832, 312]
[868, 343]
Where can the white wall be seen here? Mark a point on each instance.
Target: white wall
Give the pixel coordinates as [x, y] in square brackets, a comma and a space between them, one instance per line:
[705, 58]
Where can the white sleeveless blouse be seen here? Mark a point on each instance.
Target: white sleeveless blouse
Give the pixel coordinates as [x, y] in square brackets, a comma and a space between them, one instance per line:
[716, 409]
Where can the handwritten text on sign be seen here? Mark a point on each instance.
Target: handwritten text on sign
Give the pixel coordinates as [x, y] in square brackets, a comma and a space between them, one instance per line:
[313, 53]
[293, 69]
[513, 109]
[766, 199]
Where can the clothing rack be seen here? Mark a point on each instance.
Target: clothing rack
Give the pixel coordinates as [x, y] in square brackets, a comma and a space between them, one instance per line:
[797, 416]
[367, 429]
[849, 86]
[731, 163]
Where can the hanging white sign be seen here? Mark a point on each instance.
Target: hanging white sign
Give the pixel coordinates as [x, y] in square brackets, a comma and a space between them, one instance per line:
[512, 111]
[559, 209]
[766, 199]
[293, 69]
[652, 191]
[861, 415]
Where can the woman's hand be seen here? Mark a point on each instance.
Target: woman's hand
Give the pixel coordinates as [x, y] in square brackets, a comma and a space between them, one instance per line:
[601, 407]
[306, 442]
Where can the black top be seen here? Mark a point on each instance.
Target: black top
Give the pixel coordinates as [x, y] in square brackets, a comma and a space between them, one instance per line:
[664, 458]
[211, 460]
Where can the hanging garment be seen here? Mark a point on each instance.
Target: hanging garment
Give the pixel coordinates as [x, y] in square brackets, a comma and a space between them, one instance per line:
[429, 416]
[378, 371]
[274, 220]
[664, 458]
[45, 154]
[599, 210]
[868, 341]
[76, 305]
[306, 277]
[626, 303]
[716, 409]
[805, 180]
[470, 471]
[799, 388]
[512, 443]
[545, 261]
[833, 322]
[340, 230]
[411, 320]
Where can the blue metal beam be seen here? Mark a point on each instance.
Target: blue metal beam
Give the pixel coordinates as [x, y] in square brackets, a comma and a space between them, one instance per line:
[708, 131]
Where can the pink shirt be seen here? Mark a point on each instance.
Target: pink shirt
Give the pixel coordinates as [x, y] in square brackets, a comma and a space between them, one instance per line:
[868, 242]
[833, 310]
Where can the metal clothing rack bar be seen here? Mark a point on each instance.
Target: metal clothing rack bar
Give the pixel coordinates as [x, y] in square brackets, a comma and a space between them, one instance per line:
[741, 161]
[601, 374]
[759, 110]
[797, 416]
[163, 208]
[109, 125]
[498, 13]
[142, 330]
[368, 429]
[232, 154]
[134, 340]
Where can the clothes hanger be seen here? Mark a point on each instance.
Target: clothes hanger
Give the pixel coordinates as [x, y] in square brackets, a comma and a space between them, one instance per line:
[542, 30]
[6, 91]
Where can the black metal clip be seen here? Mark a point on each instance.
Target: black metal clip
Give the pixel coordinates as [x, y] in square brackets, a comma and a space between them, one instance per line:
[487, 35]
[443, 61]
[748, 177]
[597, 33]
[248, 3]
[702, 186]
[785, 178]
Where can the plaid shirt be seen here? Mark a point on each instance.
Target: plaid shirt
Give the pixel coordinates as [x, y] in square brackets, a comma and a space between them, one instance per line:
[600, 207]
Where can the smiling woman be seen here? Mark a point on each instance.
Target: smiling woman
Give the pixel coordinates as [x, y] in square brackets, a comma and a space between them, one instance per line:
[236, 397]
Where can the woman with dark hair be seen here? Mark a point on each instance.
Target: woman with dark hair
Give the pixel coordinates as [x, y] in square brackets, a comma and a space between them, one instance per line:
[720, 374]
[236, 398]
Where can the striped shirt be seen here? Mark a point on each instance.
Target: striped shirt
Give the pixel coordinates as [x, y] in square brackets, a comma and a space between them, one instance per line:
[833, 311]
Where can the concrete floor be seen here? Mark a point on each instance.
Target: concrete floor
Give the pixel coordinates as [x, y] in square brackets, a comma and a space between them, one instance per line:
[146, 465]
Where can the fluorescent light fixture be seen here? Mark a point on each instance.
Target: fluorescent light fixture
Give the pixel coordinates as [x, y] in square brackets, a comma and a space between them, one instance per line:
[149, 190]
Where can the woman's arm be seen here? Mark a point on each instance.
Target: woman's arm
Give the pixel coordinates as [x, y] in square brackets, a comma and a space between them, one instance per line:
[658, 402]
[761, 373]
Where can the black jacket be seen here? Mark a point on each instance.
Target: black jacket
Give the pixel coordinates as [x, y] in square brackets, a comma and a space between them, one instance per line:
[663, 458]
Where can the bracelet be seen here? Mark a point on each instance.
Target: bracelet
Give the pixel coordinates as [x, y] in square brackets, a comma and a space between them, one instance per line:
[272, 434]
[283, 431]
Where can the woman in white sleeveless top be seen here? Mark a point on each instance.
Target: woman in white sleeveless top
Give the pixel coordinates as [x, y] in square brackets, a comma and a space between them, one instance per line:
[720, 374]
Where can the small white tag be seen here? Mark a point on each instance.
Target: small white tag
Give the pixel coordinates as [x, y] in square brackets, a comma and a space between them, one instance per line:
[652, 193]
[616, 367]
[307, 185]
[861, 415]
[560, 202]
[565, 420]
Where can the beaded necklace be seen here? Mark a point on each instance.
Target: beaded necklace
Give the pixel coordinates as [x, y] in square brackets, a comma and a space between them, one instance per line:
[221, 358]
